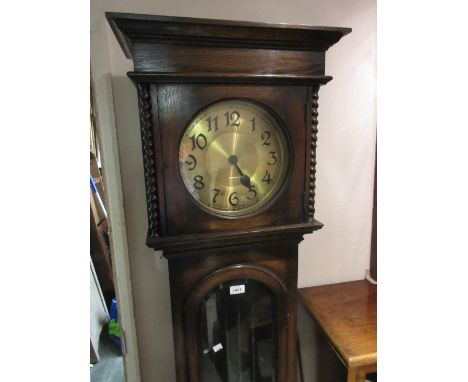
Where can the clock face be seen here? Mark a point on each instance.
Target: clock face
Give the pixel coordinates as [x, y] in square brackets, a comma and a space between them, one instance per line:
[233, 158]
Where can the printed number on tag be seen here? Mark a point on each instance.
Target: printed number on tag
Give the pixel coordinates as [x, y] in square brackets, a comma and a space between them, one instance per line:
[237, 289]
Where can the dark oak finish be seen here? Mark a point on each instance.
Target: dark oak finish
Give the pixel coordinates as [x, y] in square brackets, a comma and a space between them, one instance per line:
[180, 59]
[228, 78]
[165, 110]
[182, 65]
[190, 271]
[347, 315]
[181, 103]
[132, 29]
[253, 272]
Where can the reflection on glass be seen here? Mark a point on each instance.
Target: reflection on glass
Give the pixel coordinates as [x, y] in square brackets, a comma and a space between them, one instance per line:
[236, 335]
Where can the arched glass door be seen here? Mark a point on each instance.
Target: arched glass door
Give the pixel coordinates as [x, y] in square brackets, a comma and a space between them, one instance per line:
[236, 334]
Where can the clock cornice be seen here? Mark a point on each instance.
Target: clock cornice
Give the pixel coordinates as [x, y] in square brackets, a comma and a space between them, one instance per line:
[136, 28]
[226, 78]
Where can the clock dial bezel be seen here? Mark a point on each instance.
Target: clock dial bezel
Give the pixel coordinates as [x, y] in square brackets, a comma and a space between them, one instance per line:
[283, 139]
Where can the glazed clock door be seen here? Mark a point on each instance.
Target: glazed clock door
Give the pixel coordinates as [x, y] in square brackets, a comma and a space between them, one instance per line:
[236, 326]
[233, 157]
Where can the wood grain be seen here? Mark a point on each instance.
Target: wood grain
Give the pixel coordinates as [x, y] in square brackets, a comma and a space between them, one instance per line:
[148, 144]
[347, 314]
[190, 273]
[178, 103]
[181, 58]
[132, 29]
[252, 272]
[181, 65]
[228, 78]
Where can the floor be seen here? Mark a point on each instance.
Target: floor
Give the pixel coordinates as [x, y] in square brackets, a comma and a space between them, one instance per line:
[110, 366]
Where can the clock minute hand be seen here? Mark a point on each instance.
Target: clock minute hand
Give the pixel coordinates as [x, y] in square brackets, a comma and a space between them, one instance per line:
[244, 179]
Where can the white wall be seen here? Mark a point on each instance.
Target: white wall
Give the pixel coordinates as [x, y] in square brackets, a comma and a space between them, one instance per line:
[347, 123]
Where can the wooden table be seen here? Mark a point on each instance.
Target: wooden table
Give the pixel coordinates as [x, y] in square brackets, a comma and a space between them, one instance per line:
[347, 315]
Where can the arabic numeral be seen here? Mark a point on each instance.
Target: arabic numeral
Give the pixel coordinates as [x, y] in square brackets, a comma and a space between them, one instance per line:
[273, 159]
[198, 141]
[212, 123]
[198, 182]
[253, 124]
[232, 118]
[191, 162]
[266, 137]
[253, 191]
[233, 199]
[267, 177]
[216, 193]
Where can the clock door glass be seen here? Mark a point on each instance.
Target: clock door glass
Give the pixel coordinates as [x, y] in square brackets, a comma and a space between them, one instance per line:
[233, 157]
[237, 336]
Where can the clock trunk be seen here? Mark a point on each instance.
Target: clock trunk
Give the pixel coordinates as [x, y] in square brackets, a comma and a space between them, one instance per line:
[242, 298]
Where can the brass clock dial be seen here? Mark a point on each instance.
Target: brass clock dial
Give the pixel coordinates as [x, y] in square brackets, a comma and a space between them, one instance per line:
[233, 157]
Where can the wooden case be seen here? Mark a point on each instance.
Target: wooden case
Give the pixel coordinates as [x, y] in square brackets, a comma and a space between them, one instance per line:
[181, 65]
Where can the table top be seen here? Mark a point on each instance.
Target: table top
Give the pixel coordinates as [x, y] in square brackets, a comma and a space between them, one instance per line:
[347, 314]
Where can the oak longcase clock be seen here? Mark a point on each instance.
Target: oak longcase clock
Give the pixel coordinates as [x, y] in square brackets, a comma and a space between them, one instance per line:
[228, 117]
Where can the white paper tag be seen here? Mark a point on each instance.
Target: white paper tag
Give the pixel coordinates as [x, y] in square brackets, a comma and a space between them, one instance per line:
[237, 289]
[217, 348]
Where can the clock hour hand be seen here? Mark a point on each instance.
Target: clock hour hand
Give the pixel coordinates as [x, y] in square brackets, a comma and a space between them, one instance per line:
[244, 179]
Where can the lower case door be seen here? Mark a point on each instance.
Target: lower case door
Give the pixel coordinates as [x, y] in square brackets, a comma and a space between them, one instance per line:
[237, 333]
[235, 326]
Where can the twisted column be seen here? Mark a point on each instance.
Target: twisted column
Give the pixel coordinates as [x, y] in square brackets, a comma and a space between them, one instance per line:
[151, 185]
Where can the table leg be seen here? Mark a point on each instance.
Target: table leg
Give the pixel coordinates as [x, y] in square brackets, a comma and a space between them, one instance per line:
[358, 374]
[352, 375]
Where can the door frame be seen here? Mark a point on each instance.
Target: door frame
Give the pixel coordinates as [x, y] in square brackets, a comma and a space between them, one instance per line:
[101, 77]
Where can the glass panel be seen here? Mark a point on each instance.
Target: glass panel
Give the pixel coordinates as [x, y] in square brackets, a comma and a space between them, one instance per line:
[237, 333]
[233, 157]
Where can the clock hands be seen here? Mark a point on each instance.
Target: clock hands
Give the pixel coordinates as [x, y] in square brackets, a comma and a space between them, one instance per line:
[244, 179]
